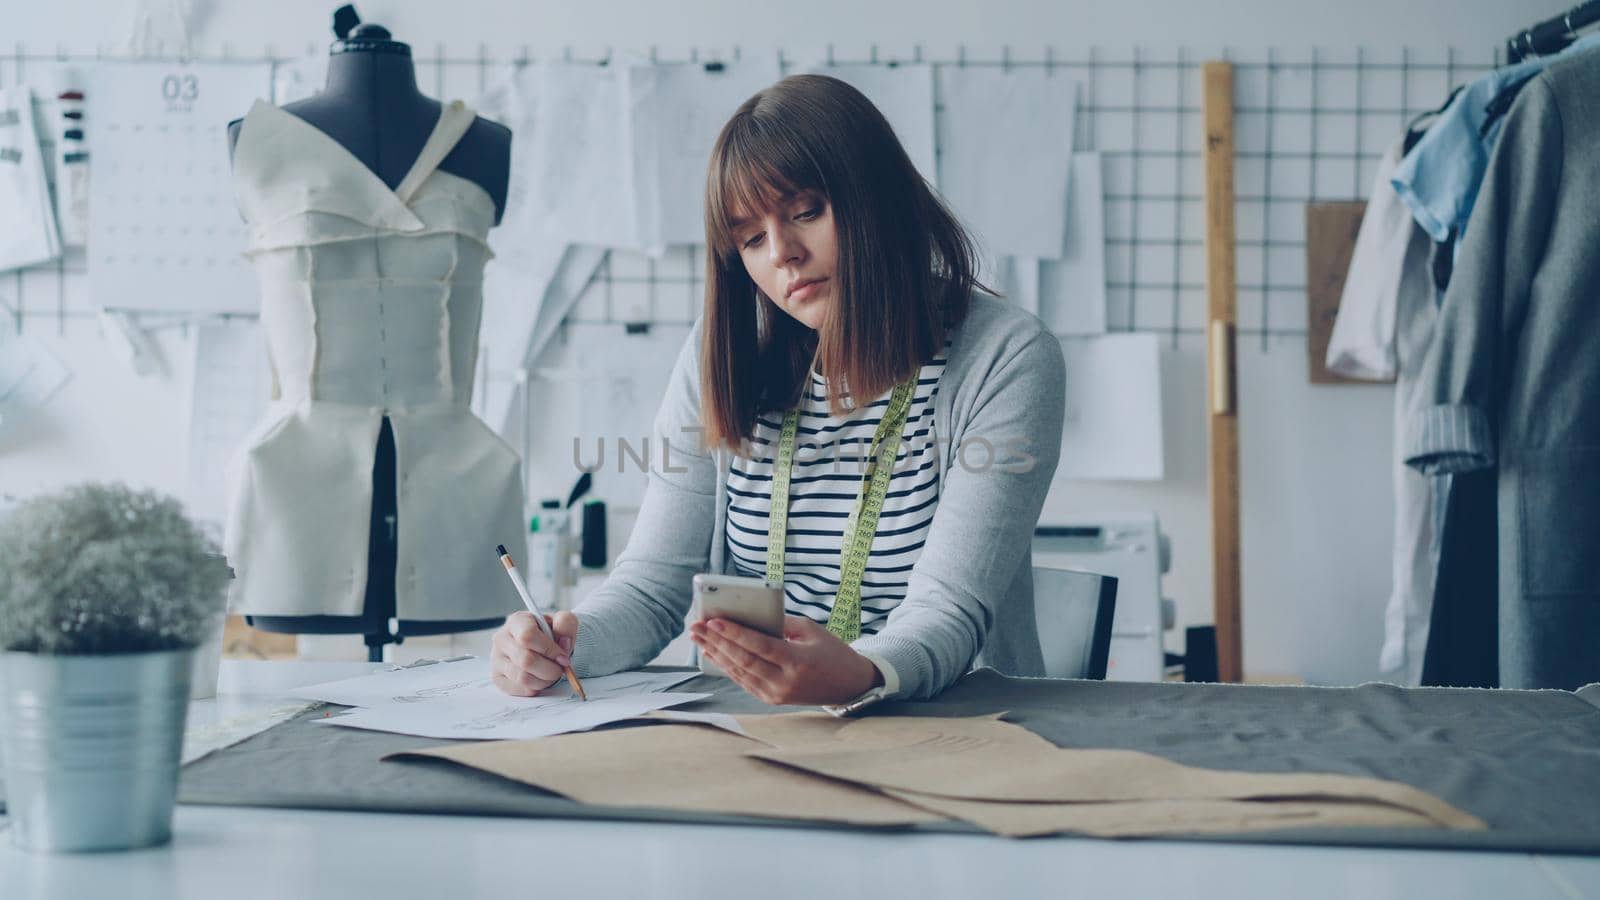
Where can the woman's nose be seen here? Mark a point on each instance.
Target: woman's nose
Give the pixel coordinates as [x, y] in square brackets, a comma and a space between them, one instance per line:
[784, 248]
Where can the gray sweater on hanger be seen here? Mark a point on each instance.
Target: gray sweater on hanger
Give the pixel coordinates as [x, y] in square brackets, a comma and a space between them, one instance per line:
[969, 600]
[1514, 374]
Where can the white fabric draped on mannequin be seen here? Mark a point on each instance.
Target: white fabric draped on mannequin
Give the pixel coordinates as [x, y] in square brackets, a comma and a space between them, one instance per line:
[370, 301]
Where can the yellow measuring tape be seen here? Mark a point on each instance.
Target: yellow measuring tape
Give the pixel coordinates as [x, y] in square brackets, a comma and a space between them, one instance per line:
[862, 525]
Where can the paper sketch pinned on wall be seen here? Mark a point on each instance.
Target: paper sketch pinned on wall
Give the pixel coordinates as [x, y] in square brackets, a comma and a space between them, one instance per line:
[27, 216]
[165, 233]
[512, 297]
[1005, 152]
[522, 289]
[904, 94]
[576, 154]
[1072, 289]
[230, 387]
[131, 342]
[160, 28]
[677, 110]
[523, 246]
[621, 378]
[1019, 281]
[536, 275]
[1113, 424]
[522, 310]
[29, 375]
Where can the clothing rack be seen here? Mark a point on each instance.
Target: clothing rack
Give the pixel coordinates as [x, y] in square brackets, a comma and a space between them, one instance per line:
[1552, 35]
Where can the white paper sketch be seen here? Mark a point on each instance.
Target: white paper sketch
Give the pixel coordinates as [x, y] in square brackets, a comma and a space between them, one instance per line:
[621, 378]
[460, 680]
[1113, 418]
[458, 700]
[677, 110]
[579, 159]
[1005, 153]
[512, 298]
[1020, 283]
[535, 277]
[512, 718]
[28, 232]
[230, 388]
[1072, 289]
[522, 310]
[29, 375]
[521, 244]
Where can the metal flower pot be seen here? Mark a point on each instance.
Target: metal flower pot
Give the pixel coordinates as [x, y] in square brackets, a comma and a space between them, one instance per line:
[90, 746]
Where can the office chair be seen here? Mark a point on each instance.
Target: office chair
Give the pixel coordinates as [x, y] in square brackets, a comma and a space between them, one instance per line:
[1074, 611]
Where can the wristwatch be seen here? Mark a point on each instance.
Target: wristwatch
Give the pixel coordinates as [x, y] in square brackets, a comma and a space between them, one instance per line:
[861, 702]
[876, 694]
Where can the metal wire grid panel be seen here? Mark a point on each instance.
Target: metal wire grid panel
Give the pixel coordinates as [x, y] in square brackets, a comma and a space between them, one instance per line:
[1310, 126]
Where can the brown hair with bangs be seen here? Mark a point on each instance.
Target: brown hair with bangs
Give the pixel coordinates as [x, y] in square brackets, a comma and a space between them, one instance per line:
[906, 268]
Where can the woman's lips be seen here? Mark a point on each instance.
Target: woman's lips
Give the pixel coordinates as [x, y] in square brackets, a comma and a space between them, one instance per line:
[805, 290]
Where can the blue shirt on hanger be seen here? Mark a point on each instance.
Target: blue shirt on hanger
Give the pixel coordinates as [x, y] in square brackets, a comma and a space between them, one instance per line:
[1439, 178]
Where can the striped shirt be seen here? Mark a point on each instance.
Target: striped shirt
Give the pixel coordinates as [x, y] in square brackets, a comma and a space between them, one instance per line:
[829, 461]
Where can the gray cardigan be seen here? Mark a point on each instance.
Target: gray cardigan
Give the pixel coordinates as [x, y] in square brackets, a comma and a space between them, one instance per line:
[969, 600]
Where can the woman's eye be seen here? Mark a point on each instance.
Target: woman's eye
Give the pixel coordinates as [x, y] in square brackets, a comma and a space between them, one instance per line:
[752, 242]
[810, 214]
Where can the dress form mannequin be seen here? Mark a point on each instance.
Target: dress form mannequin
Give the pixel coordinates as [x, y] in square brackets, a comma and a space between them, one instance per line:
[371, 107]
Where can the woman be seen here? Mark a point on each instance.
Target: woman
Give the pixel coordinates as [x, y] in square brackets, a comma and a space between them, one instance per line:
[833, 273]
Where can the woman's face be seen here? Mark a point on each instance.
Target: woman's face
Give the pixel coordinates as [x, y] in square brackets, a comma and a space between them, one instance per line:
[791, 252]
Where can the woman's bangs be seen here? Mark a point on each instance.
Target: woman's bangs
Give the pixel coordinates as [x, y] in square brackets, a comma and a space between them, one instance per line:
[754, 170]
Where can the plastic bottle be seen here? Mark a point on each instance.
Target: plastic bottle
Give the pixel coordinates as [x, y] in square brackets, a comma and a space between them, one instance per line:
[560, 571]
[549, 553]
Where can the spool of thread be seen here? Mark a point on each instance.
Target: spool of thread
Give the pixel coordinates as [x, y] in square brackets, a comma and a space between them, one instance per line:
[592, 550]
[1200, 653]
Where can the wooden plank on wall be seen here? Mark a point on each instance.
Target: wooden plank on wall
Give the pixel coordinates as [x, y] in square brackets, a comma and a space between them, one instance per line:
[1222, 317]
[1331, 230]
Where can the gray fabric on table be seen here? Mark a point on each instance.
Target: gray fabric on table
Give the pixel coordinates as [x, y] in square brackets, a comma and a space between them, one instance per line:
[1527, 762]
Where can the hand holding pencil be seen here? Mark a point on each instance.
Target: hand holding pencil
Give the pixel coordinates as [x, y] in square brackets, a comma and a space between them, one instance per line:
[532, 651]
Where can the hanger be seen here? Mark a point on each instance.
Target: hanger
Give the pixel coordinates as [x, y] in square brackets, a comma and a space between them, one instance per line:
[1552, 35]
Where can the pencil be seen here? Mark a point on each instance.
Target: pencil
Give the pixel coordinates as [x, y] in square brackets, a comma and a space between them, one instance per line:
[527, 600]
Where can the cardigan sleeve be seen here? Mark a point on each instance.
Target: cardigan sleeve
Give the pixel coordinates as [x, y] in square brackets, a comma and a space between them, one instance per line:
[1504, 246]
[1005, 455]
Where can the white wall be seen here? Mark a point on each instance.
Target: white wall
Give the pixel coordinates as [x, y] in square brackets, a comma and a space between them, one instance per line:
[1315, 460]
[547, 26]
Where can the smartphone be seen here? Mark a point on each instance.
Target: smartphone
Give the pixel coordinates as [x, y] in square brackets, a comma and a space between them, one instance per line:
[749, 601]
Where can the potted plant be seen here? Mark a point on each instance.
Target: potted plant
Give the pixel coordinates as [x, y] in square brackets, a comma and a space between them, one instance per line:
[104, 594]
